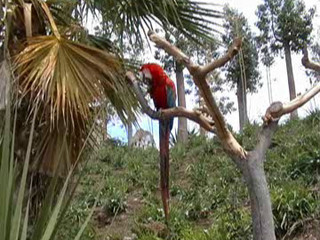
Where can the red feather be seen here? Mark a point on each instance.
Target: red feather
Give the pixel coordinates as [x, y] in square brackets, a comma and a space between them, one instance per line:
[160, 82]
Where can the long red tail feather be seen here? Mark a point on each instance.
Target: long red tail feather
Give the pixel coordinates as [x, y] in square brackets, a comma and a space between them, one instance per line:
[164, 133]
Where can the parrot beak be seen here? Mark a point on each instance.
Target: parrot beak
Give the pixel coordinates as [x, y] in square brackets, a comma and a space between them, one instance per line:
[146, 77]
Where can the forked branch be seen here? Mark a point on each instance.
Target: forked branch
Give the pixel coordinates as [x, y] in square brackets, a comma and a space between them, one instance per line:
[199, 74]
[193, 115]
[278, 109]
[307, 63]
[220, 62]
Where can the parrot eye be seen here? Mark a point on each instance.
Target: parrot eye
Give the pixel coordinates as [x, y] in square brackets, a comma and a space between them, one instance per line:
[145, 79]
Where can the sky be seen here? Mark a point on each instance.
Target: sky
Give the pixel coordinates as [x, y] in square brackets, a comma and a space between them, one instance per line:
[258, 102]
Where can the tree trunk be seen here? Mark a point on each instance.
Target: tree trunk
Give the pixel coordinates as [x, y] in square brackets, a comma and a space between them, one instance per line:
[202, 104]
[129, 129]
[242, 105]
[182, 122]
[292, 88]
[261, 210]
[252, 168]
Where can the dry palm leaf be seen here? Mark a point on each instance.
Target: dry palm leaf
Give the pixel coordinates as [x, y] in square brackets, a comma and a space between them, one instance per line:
[67, 80]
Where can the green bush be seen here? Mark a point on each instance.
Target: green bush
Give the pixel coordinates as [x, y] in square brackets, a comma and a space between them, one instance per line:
[307, 168]
[232, 223]
[292, 202]
[114, 196]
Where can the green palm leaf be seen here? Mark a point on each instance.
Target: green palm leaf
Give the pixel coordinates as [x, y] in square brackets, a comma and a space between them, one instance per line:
[132, 19]
[131, 16]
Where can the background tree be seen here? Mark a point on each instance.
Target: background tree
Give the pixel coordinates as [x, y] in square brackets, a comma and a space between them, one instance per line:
[242, 72]
[181, 92]
[284, 25]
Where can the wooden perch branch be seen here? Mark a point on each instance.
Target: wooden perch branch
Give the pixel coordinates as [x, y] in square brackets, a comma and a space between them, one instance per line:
[195, 115]
[278, 109]
[199, 74]
[307, 63]
[233, 51]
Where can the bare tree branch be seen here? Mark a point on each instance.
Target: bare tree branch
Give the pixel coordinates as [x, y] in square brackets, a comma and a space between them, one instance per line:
[278, 109]
[199, 74]
[307, 63]
[195, 115]
[233, 51]
[204, 110]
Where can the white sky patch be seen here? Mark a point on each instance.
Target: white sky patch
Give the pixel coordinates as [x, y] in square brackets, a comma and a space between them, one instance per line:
[258, 102]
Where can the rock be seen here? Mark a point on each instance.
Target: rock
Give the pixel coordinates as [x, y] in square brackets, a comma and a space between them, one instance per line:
[142, 139]
[133, 237]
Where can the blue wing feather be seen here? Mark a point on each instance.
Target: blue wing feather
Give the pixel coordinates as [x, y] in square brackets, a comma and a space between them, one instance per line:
[171, 97]
[171, 101]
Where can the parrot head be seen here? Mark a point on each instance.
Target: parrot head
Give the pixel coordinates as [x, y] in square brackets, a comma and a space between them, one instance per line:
[152, 75]
[146, 76]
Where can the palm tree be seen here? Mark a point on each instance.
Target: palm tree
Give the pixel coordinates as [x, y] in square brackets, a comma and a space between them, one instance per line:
[68, 74]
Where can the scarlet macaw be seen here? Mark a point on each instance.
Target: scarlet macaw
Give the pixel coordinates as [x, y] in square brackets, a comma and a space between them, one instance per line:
[163, 92]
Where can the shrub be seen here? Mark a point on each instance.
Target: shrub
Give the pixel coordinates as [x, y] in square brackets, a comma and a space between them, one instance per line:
[291, 203]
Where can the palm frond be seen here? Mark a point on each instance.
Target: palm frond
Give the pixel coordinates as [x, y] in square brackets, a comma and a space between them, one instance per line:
[68, 81]
[69, 77]
[134, 18]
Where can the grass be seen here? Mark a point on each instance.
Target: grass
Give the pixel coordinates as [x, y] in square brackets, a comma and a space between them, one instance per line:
[208, 196]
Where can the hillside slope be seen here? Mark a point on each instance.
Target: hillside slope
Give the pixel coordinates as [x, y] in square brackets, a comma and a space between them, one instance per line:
[209, 198]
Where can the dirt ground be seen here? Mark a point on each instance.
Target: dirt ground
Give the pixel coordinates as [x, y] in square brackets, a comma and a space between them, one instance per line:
[310, 231]
[120, 226]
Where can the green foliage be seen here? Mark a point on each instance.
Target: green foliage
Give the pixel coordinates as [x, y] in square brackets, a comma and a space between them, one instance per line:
[307, 168]
[297, 157]
[233, 224]
[115, 194]
[116, 157]
[228, 224]
[292, 202]
[248, 138]
[196, 234]
[134, 18]
[245, 66]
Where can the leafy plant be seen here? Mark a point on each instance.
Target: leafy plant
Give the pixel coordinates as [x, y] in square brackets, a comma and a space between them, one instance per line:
[291, 203]
[114, 195]
[307, 168]
[14, 210]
